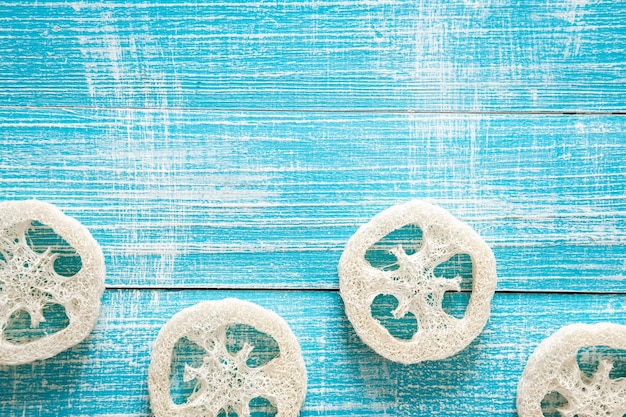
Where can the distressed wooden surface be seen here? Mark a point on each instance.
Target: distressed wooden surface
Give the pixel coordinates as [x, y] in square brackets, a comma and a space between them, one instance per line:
[493, 55]
[231, 148]
[248, 200]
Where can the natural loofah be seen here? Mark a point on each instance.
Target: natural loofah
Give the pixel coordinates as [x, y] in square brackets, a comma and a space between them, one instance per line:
[553, 367]
[29, 282]
[225, 380]
[414, 284]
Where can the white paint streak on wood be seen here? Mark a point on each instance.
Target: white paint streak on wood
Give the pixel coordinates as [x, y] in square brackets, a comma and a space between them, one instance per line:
[393, 55]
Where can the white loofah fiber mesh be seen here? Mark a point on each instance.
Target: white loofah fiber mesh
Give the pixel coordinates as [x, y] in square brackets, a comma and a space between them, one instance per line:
[553, 367]
[224, 380]
[29, 282]
[414, 284]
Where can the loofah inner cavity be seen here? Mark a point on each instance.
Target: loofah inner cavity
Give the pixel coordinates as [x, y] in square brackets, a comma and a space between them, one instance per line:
[595, 385]
[381, 256]
[435, 290]
[19, 328]
[225, 367]
[382, 309]
[34, 263]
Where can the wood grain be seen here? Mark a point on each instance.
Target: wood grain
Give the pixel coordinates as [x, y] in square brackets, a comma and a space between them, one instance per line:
[106, 376]
[459, 56]
[264, 200]
[231, 148]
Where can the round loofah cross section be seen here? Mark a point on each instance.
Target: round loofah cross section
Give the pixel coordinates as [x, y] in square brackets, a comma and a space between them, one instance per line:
[225, 380]
[418, 290]
[553, 367]
[30, 282]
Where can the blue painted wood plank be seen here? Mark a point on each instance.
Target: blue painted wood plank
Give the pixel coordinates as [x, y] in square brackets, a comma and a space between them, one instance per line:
[562, 55]
[107, 374]
[268, 200]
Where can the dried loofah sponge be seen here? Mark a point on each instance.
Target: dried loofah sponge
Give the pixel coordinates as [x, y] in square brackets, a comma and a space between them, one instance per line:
[415, 285]
[225, 380]
[30, 283]
[553, 367]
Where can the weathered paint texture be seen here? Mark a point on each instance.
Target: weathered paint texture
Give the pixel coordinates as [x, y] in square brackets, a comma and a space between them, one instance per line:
[231, 148]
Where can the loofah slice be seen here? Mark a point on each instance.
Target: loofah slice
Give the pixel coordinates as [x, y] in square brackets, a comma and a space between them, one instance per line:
[225, 380]
[414, 284]
[30, 283]
[553, 367]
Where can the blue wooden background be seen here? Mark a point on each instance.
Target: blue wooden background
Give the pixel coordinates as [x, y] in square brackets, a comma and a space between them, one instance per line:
[230, 148]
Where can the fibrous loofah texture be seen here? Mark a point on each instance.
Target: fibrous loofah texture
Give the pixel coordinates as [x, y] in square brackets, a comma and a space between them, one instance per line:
[29, 282]
[553, 367]
[225, 380]
[415, 285]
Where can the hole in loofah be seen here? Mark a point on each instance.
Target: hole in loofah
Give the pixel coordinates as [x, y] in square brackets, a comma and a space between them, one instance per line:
[589, 358]
[401, 328]
[261, 407]
[460, 265]
[19, 327]
[379, 256]
[265, 346]
[455, 303]
[40, 237]
[185, 352]
[551, 403]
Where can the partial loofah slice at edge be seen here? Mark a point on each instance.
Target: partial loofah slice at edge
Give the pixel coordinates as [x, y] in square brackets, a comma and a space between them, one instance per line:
[553, 367]
[29, 281]
[225, 380]
[414, 283]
